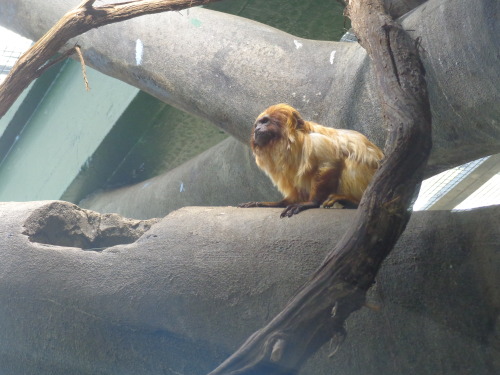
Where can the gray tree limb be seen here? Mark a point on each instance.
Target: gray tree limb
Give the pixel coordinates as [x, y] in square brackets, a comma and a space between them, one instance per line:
[226, 69]
[193, 287]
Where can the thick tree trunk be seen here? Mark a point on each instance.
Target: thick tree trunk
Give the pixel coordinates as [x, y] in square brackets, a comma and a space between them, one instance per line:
[202, 279]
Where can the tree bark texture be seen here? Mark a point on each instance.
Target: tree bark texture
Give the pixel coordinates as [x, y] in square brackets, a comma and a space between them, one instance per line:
[318, 311]
[190, 290]
[78, 21]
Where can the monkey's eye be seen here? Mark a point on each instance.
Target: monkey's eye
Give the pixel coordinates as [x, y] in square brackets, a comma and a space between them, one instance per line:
[264, 120]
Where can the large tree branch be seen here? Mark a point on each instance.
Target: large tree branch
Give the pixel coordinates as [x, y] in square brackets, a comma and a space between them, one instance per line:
[77, 21]
[178, 299]
[209, 69]
[319, 310]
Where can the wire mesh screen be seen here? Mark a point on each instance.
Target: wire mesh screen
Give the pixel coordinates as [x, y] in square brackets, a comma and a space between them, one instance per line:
[12, 46]
[8, 58]
[437, 186]
[487, 195]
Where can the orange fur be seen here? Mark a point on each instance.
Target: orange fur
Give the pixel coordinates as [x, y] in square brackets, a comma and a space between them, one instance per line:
[310, 164]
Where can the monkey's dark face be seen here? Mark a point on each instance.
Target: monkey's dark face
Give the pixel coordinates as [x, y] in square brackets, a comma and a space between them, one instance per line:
[266, 130]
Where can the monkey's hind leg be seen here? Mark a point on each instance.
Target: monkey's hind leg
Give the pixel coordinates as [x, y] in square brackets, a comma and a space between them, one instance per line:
[344, 200]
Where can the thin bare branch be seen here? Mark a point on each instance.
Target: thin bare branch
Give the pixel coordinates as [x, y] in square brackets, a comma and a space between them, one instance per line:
[77, 21]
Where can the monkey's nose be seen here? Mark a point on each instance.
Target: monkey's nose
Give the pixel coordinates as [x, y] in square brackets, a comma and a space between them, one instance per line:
[259, 128]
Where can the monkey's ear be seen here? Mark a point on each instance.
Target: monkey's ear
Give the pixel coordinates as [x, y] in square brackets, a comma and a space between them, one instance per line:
[299, 122]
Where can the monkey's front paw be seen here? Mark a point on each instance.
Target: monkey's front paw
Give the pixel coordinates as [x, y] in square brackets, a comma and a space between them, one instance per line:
[291, 210]
[249, 204]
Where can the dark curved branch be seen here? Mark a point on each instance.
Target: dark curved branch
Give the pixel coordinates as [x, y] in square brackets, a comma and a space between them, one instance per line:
[77, 21]
[318, 311]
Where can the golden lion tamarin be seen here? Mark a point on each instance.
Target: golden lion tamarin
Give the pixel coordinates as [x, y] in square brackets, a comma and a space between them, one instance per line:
[310, 164]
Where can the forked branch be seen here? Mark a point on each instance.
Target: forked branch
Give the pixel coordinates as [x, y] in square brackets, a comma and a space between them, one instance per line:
[77, 21]
[318, 311]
